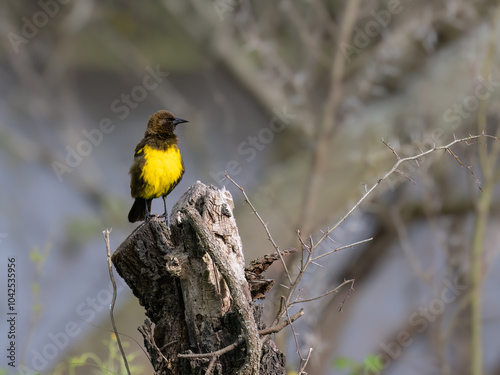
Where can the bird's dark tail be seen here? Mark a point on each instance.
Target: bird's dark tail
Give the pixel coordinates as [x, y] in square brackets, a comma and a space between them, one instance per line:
[138, 210]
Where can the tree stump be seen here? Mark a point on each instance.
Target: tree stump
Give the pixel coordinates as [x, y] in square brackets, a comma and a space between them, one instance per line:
[190, 278]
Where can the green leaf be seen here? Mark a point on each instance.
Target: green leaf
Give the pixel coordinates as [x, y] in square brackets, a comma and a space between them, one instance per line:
[373, 363]
[343, 363]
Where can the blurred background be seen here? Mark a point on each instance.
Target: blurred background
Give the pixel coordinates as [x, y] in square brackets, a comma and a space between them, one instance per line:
[292, 98]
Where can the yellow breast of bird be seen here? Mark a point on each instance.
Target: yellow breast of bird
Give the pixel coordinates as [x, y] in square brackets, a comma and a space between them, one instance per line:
[162, 170]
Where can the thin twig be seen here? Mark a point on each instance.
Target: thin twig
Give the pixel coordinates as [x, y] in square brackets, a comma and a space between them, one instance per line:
[351, 289]
[393, 170]
[112, 306]
[331, 239]
[390, 148]
[310, 259]
[324, 294]
[276, 247]
[304, 246]
[278, 327]
[342, 248]
[294, 336]
[305, 362]
[217, 353]
[478, 183]
[281, 310]
[211, 365]
[405, 176]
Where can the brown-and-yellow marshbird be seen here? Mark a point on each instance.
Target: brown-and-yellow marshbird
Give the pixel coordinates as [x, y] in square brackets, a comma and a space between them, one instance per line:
[157, 166]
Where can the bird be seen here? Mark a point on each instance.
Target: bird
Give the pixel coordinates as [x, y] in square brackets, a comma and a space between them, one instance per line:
[157, 167]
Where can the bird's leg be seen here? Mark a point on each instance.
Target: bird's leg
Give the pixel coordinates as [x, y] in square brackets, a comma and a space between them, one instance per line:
[147, 214]
[165, 206]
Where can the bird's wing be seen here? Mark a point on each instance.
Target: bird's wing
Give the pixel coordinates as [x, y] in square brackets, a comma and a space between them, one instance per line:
[139, 149]
[136, 181]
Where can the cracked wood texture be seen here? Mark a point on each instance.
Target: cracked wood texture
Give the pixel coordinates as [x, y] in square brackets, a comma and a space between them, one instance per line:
[190, 308]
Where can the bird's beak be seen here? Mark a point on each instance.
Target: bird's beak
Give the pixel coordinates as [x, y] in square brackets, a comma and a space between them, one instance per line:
[178, 121]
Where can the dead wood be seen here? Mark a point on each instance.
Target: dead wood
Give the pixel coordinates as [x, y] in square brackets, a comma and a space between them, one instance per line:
[190, 278]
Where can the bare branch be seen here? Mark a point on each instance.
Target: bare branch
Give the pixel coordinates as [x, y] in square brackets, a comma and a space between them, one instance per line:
[278, 327]
[390, 148]
[393, 170]
[294, 336]
[211, 365]
[351, 289]
[478, 183]
[342, 248]
[112, 306]
[336, 290]
[304, 246]
[405, 176]
[310, 249]
[305, 362]
[217, 353]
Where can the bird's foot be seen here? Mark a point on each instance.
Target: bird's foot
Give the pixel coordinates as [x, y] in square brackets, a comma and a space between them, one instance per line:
[164, 216]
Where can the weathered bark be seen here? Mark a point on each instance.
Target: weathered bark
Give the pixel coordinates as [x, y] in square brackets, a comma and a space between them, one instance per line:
[190, 278]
